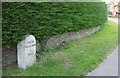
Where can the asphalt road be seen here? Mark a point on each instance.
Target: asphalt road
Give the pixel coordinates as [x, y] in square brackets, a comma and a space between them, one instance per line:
[115, 20]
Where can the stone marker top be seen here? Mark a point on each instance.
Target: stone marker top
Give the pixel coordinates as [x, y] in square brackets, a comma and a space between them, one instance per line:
[28, 40]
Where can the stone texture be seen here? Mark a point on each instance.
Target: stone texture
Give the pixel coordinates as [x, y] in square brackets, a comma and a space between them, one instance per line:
[26, 52]
[58, 39]
[38, 47]
[9, 56]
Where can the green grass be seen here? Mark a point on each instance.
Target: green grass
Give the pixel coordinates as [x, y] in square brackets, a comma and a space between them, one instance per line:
[80, 57]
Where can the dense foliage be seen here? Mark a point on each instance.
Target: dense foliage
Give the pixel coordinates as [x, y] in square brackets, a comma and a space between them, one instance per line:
[46, 19]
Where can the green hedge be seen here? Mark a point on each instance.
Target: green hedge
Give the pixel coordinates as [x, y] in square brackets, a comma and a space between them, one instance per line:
[46, 19]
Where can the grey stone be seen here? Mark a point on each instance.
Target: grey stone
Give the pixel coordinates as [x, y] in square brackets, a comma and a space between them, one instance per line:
[58, 39]
[26, 54]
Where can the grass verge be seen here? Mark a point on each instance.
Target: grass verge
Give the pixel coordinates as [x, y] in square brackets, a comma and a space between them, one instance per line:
[80, 57]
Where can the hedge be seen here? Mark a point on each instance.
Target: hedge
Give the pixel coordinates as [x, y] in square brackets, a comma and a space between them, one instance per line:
[48, 18]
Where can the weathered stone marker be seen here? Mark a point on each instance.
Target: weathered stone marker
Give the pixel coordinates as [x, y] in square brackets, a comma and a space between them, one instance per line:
[26, 54]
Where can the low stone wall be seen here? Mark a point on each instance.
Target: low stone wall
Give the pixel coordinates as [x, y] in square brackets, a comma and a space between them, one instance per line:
[58, 39]
[9, 56]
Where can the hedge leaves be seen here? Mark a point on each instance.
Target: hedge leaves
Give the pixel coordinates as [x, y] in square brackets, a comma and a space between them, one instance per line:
[50, 18]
